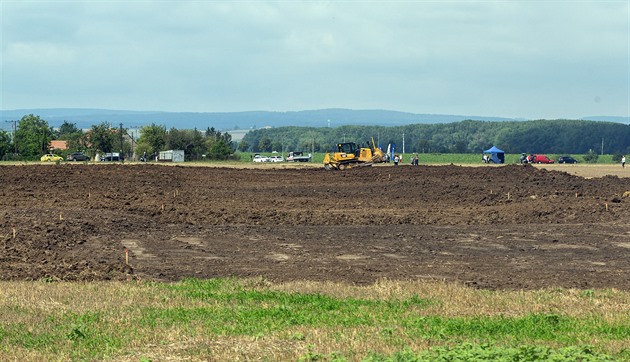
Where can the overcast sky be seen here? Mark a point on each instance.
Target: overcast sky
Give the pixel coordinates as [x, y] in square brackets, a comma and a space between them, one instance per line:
[530, 59]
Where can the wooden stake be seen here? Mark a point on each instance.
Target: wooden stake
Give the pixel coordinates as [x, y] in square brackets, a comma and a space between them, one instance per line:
[60, 217]
[162, 207]
[606, 205]
[508, 195]
[127, 256]
[14, 232]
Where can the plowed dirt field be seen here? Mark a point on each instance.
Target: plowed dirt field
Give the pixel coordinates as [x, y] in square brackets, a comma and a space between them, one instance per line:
[509, 227]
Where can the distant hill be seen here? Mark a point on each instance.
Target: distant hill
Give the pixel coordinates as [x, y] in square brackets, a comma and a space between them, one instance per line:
[335, 117]
[607, 119]
[85, 118]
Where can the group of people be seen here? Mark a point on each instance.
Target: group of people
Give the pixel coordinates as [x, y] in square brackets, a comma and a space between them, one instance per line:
[415, 160]
[525, 158]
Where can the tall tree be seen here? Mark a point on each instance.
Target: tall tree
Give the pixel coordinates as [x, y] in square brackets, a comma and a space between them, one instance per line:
[66, 129]
[264, 145]
[5, 144]
[102, 137]
[74, 136]
[244, 146]
[191, 141]
[219, 146]
[33, 135]
[152, 139]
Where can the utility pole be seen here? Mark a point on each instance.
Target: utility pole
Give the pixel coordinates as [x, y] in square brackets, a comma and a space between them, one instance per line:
[133, 155]
[121, 140]
[602, 146]
[14, 122]
[403, 150]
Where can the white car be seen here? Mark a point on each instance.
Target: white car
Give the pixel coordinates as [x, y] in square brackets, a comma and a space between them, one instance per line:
[261, 158]
[276, 159]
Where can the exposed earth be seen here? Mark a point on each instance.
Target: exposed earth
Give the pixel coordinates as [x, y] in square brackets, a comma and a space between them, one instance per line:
[508, 227]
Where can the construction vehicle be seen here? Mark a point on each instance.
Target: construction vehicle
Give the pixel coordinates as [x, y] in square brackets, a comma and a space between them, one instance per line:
[352, 155]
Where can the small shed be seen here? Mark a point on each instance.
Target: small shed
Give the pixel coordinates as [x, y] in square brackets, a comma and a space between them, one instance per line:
[171, 156]
[496, 155]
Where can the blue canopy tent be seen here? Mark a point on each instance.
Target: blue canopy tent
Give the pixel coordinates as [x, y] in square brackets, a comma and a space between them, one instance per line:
[496, 155]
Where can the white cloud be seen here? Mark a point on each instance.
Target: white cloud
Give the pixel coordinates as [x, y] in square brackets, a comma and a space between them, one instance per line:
[503, 58]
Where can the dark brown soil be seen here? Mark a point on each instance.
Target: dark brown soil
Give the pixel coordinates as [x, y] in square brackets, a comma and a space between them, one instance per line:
[510, 227]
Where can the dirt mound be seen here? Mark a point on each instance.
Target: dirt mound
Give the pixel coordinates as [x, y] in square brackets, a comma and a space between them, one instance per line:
[491, 227]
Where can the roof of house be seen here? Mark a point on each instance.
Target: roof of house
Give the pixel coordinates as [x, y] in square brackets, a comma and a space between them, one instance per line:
[59, 145]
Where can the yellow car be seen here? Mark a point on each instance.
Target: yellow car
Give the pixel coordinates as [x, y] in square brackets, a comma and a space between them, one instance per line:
[51, 158]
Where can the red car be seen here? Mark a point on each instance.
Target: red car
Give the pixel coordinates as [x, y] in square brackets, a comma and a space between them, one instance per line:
[541, 159]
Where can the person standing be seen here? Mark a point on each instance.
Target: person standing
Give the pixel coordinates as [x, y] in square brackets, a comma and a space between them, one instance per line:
[623, 161]
[396, 159]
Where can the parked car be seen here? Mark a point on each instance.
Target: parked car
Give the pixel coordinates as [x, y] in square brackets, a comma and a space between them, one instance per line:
[115, 156]
[77, 156]
[276, 159]
[260, 158]
[566, 159]
[541, 159]
[51, 157]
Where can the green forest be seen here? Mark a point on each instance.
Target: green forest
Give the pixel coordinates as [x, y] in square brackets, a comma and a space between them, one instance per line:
[32, 136]
[539, 136]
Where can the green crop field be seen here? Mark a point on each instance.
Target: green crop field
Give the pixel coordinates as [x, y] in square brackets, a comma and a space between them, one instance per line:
[425, 158]
[236, 319]
[446, 158]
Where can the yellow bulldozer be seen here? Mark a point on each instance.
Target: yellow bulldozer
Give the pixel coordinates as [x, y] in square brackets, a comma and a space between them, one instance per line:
[352, 155]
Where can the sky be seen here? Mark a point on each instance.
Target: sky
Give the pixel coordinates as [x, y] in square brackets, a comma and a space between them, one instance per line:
[519, 59]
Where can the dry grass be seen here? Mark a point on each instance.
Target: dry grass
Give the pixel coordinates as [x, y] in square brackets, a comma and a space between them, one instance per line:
[459, 300]
[120, 306]
[589, 170]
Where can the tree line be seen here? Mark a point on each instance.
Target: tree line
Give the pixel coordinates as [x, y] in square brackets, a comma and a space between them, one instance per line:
[33, 135]
[538, 136]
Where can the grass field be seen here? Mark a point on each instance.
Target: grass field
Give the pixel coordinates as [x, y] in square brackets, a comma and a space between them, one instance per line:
[230, 319]
[447, 158]
[425, 158]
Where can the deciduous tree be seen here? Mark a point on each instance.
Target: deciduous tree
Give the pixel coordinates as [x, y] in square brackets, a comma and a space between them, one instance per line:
[102, 138]
[33, 136]
[152, 139]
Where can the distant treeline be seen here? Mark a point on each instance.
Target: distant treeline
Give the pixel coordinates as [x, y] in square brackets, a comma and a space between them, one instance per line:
[539, 136]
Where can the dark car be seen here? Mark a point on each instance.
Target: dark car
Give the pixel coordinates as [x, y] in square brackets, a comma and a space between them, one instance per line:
[77, 156]
[109, 157]
[566, 159]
